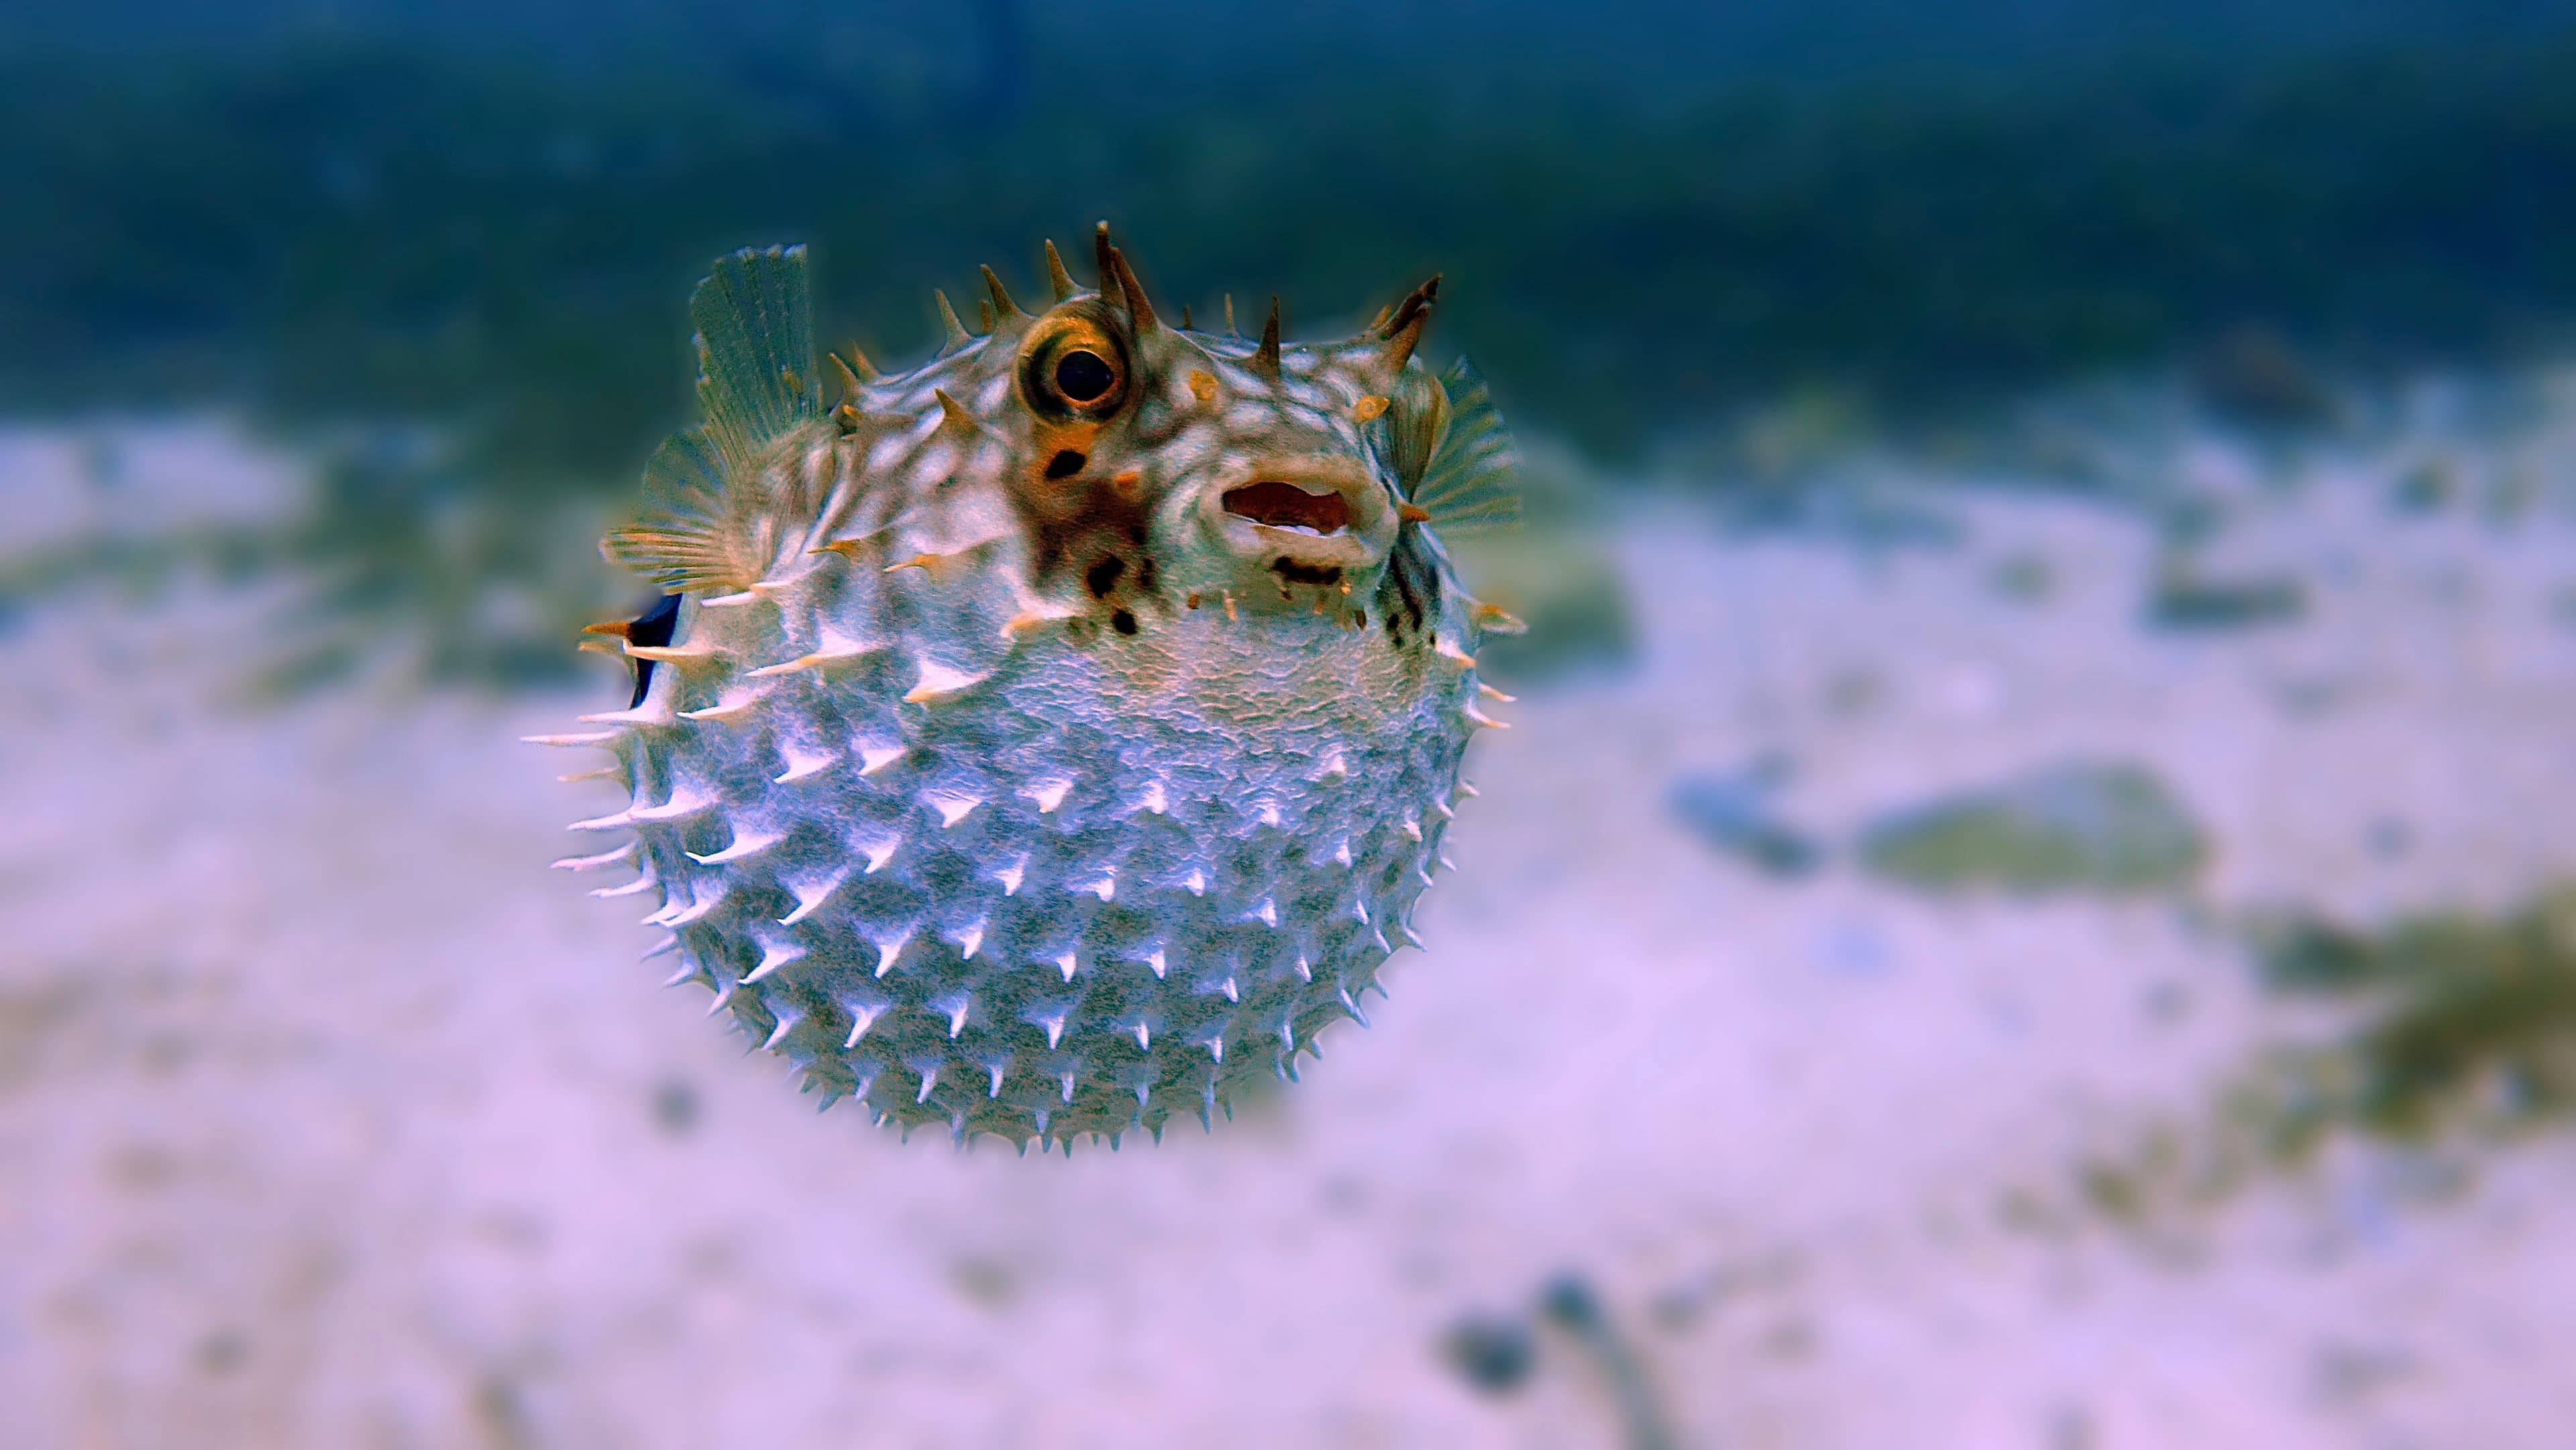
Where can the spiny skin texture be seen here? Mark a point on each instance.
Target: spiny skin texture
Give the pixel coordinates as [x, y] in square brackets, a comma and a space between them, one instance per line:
[1022, 760]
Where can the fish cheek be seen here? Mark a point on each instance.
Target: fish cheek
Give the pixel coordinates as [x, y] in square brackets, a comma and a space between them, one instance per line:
[1051, 491]
[1087, 532]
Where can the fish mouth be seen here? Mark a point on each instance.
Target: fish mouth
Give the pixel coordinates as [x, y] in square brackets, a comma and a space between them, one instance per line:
[1294, 517]
[1275, 503]
[1296, 533]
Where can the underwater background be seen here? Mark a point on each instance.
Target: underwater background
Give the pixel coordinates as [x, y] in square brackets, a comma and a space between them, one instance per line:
[2030, 901]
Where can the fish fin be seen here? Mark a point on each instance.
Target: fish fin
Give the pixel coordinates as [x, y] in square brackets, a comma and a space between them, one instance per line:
[1415, 425]
[1471, 483]
[756, 374]
[710, 519]
[690, 536]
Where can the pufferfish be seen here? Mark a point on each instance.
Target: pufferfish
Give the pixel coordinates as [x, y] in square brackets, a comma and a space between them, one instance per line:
[1058, 735]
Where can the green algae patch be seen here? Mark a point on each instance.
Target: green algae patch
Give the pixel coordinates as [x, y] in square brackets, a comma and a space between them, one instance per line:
[2102, 827]
[2466, 1019]
[2445, 1033]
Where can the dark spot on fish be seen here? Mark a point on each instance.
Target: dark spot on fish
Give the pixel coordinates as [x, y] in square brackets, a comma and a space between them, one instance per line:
[1404, 591]
[1065, 464]
[1410, 593]
[1103, 574]
[1297, 573]
[652, 629]
[1146, 574]
[1123, 622]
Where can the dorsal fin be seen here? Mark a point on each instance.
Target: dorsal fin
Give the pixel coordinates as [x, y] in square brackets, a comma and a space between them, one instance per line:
[756, 378]
[1472, 483]
[708, 522]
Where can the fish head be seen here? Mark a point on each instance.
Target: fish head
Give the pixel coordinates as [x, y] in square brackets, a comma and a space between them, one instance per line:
[1270, 477]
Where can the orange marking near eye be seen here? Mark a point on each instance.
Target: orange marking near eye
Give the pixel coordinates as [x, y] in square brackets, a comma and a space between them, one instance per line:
[1129, 484]
[1413, 513]
[1367, 409]
[1203, 384]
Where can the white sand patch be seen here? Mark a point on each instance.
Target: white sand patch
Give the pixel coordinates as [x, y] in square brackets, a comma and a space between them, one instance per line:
[330, 1118]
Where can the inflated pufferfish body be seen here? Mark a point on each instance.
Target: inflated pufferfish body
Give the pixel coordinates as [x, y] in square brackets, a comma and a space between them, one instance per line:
[1046, 739]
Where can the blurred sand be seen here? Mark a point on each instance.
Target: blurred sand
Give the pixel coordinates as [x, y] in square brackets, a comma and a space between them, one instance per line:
[330, 1118]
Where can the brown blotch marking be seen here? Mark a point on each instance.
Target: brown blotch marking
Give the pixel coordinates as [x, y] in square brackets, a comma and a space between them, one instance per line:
[1122, 621]
[1103, 574]
[1072, 518]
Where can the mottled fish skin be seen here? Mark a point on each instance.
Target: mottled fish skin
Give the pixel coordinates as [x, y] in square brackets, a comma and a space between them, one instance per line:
[1032, 755]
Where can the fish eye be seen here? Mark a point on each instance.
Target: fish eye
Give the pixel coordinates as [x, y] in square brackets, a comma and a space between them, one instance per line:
[1075, 367]
[1083, 375]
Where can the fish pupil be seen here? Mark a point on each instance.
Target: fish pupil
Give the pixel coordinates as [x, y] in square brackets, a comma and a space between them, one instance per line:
[1082, 376]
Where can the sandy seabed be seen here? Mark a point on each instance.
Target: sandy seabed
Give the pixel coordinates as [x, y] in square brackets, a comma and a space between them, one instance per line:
[330, 1118]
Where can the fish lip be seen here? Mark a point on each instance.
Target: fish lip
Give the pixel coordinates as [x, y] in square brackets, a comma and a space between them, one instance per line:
[1366, 518]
